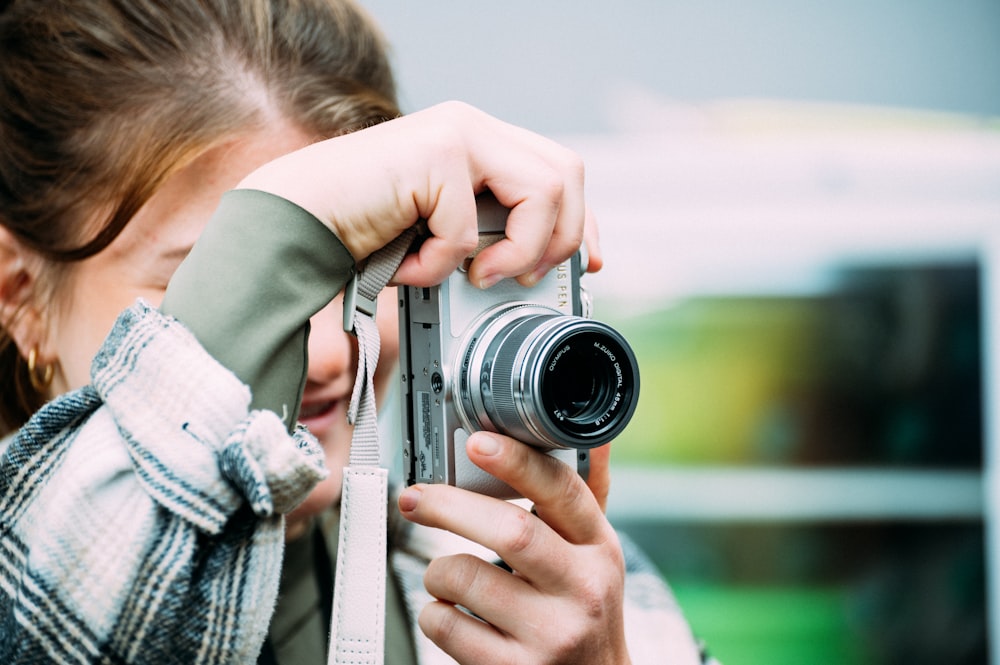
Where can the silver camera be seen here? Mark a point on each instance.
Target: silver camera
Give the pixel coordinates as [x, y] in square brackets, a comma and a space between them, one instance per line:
[525, 362]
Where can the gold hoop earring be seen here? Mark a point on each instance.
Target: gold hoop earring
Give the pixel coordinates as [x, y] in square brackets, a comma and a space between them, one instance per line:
[41, 382]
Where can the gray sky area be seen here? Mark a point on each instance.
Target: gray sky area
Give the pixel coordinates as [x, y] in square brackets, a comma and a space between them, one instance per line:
[562, 67]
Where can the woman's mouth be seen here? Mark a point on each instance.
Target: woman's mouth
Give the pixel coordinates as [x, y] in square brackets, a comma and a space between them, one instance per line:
[316, 410]
[321, 417]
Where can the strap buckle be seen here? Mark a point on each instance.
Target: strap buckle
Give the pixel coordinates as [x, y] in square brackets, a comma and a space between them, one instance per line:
[355, 301]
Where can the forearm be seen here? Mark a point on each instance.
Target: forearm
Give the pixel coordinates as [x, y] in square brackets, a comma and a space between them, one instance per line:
[262, 267]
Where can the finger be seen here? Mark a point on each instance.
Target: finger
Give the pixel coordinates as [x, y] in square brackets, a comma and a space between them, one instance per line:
[599, 476]
[568, 233]
[491, 593]
[465, 638]
[541, 183]
[560, 496]
[529, 229]
[436, 259]
[592, 239]
[538, 238]
[521, 539]
[450, 217]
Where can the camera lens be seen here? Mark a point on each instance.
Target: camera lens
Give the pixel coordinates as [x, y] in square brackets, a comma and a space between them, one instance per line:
[551, 380]
[579, 382]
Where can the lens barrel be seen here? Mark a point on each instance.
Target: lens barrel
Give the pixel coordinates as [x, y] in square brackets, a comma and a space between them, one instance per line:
[548, 379]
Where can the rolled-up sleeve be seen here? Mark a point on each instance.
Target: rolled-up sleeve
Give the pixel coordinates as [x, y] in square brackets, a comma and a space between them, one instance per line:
[261, 268]
[141, 516]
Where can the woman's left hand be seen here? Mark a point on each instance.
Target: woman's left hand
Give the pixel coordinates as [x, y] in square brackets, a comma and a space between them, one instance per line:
[563, 603]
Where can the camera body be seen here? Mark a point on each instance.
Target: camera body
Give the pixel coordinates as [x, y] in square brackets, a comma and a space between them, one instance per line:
[526, 362]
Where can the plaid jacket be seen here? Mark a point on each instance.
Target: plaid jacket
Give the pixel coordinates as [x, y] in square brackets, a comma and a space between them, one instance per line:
[140, 519]
[166, 549]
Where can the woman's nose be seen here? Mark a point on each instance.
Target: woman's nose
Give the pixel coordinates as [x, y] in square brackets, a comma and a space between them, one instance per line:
[331, 350]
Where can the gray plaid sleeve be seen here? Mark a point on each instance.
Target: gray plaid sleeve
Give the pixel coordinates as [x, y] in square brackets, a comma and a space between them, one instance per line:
[140, 517]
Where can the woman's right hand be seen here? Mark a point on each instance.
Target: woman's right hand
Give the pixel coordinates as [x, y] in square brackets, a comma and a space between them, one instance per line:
[371, 185]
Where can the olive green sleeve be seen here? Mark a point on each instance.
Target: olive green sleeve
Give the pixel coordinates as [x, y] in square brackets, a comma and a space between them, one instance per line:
[261, 268]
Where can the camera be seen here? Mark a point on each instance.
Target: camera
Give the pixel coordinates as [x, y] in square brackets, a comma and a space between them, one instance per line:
[525, 362]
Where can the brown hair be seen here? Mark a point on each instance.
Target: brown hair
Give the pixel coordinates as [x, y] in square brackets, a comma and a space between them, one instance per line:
[102, 100]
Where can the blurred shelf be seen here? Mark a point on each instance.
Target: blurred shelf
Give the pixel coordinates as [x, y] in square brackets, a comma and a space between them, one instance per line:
[801, 495]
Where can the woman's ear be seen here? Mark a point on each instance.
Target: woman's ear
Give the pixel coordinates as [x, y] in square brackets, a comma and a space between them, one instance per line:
[19, 312]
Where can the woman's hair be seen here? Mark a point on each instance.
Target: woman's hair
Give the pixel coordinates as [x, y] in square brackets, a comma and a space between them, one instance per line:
[102, 100]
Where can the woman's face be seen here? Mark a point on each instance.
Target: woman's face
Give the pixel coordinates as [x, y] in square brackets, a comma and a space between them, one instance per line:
[140, 262]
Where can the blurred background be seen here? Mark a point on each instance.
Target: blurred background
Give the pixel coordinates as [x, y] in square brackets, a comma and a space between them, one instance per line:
[797, 202]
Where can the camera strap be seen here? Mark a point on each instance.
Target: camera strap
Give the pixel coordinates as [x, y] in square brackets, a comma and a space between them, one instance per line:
[357, 630]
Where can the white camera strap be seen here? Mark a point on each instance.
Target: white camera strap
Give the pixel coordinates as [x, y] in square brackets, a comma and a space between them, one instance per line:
[357, 630]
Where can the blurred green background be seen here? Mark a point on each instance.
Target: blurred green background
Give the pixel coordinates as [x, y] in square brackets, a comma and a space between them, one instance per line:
[882, 370]
[881, 367]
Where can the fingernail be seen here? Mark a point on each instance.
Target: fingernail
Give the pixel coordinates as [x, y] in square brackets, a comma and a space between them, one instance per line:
[489, 280]
[409, 499]
[537, 275]
[486, 445]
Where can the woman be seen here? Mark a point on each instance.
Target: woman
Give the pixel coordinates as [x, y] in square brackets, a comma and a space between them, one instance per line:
[145, 506]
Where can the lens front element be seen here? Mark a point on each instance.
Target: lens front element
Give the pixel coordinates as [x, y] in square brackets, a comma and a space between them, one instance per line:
[583, 384]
